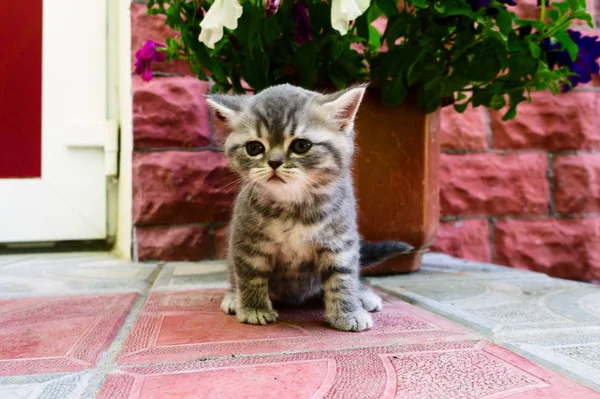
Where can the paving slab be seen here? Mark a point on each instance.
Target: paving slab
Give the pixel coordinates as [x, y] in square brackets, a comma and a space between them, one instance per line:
[58, 334]
[177, 326]
[553, 321]
[191, 275]
[70, 274]
[45, 386]
[183, 344]
[120, 330]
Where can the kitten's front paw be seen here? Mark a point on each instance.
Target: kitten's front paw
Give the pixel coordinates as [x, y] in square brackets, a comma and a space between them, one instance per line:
[370, 300]
[228, 303]
[359, 320]
[257, 316]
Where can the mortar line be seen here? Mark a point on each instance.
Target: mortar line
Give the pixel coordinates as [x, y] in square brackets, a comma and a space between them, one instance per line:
[551, 188]
[106, 364]
[492, 227]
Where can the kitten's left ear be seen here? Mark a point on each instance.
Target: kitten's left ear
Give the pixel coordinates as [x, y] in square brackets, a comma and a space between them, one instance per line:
[225, 107]
[342, 107]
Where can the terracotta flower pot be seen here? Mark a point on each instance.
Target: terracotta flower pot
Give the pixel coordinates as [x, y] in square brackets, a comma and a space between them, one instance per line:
[396, 177]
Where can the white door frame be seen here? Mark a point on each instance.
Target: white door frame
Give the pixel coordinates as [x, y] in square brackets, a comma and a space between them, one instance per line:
[120, 81]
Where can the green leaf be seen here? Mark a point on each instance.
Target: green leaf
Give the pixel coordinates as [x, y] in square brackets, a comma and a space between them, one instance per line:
[504, 21]
[428, 99]
[373, 12]
[337, 81]
[497, 101]
[374, 38]
[362, 27]
[553, 15]
[394, 91]
[389, 7]
[510, 114]
[563, 37]
[460, 108]
[338, 48]
[521, 64]
[272, 31]
[535, 49]
[420, 3]
[538, 25]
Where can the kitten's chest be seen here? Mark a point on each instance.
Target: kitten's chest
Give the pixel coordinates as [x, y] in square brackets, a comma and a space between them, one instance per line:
[295, 244]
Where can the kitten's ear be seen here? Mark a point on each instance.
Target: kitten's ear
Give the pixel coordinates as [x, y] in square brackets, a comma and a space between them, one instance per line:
[342, 107]
[225, 107]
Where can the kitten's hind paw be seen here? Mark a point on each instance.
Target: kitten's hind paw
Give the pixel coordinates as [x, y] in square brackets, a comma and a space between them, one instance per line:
[228, 303]
[257, 316]
[356, 321]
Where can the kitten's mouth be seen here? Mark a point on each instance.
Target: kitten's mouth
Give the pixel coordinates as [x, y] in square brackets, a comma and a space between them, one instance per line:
[275, 179]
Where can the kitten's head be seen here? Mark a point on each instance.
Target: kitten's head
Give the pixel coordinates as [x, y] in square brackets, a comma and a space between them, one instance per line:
[289, 141]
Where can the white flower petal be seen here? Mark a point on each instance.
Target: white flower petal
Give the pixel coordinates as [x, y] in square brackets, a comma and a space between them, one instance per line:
[344, 11]
[222, 13]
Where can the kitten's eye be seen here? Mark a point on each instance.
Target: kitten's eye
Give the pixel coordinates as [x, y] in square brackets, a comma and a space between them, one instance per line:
[253, 148]
[300, 146]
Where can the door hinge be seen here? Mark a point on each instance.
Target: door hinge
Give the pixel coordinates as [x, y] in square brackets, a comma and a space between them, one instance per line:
[103, 135]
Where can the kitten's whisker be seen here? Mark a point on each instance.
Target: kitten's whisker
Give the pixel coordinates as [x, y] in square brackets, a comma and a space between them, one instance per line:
[237, 181]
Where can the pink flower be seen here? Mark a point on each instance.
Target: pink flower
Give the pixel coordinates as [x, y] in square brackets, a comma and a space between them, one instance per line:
[144, 58]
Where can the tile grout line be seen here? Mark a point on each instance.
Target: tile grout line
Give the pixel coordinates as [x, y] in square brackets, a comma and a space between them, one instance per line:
[107, 360]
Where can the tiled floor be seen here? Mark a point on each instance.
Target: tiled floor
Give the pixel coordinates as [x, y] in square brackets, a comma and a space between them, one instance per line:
[90, 326]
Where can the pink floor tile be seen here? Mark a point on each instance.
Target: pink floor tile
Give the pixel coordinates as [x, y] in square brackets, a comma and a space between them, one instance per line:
[55, 334]
[452, 369]
[186, 325]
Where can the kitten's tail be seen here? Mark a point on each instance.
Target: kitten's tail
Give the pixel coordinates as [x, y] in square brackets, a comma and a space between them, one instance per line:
[375, 252]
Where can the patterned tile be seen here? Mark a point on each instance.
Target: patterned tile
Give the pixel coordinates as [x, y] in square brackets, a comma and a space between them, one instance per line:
[57, 334]
[184, 325]
[452, 369]
[55, 386]
[556, 322]
[69, 274]
[185, 276]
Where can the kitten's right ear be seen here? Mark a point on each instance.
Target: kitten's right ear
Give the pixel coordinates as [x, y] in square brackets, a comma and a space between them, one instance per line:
[225, 107]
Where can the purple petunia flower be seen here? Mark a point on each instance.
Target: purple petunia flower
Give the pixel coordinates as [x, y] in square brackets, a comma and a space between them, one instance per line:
[271, 7]
[303, 23]
[586, 63]
[144, 58]
[477, 4]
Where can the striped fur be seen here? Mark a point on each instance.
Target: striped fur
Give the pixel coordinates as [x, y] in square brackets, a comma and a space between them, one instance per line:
[295, 238]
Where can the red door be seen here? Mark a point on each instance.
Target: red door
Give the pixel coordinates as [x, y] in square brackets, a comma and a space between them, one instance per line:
[21, 89]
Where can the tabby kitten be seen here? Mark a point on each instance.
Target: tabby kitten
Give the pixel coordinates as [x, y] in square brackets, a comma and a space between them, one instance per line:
[293, 235]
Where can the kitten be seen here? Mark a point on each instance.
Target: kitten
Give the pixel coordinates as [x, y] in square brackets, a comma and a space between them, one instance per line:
[293, 234]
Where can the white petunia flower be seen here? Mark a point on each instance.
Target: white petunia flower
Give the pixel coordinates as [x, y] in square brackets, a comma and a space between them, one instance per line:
[344, 11]
[222, 13]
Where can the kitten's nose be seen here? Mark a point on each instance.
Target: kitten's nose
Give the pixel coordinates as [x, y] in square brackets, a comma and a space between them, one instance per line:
[275, 164]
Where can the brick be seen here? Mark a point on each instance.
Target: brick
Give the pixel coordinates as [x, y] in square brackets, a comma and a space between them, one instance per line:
[173, 243]
[577, 183]
[181, 187]
[221, 242]
[467, 131]
[152, 27]
[467, 239]
[566, 248]
[494, 184]
[564, 122]
[170, 112]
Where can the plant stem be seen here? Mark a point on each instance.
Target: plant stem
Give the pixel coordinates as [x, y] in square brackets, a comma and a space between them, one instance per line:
[543, 13]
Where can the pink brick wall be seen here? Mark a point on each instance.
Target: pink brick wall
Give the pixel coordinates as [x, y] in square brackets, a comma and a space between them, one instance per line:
[524, 193]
